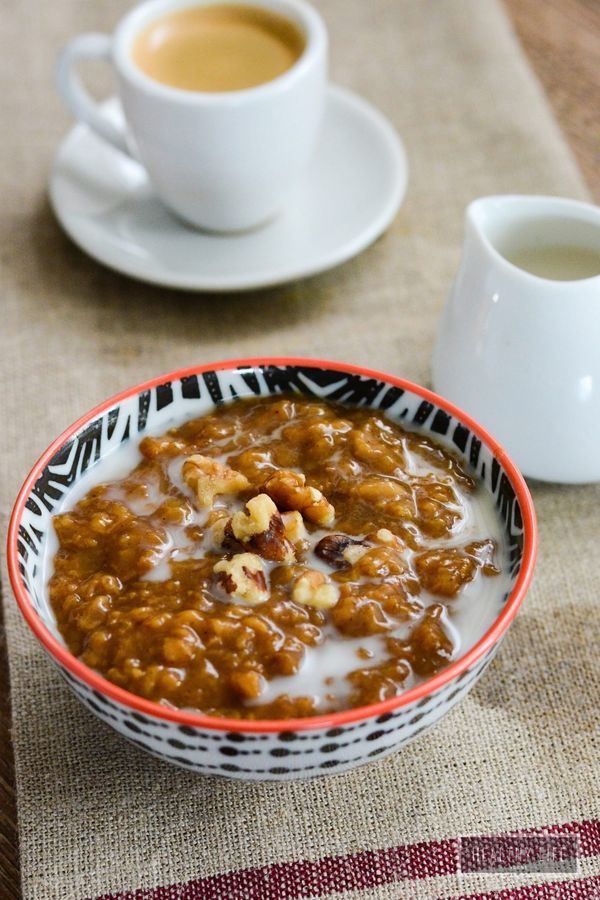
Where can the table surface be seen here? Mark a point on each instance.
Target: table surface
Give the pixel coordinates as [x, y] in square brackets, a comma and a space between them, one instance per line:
[561, 39]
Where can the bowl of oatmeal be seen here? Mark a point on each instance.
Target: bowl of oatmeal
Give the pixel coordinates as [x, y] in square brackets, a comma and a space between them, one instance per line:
[272, 569]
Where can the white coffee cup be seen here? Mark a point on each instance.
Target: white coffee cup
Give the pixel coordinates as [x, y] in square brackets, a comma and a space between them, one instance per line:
[221, 161]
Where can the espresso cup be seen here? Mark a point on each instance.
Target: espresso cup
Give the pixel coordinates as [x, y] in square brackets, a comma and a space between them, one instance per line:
[222, 160]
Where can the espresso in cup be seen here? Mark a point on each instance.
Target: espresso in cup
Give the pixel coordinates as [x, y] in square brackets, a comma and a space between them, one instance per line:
[218, 48]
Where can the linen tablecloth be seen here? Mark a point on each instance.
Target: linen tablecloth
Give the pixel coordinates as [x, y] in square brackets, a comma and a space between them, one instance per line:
[98, 817]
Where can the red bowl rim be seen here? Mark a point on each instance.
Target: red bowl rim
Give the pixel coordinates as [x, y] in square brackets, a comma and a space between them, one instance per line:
[181, 717]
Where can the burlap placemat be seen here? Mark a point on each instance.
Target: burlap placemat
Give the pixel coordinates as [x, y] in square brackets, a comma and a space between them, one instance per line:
[96, 815]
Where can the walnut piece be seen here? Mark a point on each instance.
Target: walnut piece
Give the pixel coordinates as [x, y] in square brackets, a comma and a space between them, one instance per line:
[293, 524]
[313, 589]
[209, 478]
[255, 519]
[340, 550]
[354, 552]
[218, 521]
[243, 577]
[289, 491]
[261, 528]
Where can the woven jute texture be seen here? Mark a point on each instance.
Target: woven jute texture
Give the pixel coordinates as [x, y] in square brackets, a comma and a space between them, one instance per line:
[97, 815]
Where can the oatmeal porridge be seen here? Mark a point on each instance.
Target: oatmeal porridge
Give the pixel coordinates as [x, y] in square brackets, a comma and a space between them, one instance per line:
[277, 558]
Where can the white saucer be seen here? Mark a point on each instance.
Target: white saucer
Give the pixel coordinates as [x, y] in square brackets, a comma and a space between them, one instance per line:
[347, 198]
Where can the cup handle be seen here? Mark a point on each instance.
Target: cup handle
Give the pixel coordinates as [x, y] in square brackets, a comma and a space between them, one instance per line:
[75, 96]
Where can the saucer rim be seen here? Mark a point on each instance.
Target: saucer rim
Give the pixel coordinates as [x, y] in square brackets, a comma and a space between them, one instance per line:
[266, 278]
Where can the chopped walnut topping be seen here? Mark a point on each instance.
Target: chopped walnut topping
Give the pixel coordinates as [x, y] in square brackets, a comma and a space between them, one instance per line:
[385, 536]
[290, 491]
[209, 478]
[243, 577]
[218, 522]
[354, 552]
[340, 550]
[261, 528]
[313, 589]
[293, 524]
[255, 519]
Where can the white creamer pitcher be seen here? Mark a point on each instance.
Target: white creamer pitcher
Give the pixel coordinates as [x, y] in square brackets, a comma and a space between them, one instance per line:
[521, 351]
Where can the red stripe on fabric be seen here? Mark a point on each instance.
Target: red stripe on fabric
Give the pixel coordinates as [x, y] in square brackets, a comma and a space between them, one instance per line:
[284, 881]
[339, 874]
[574, 889]
[588, 833]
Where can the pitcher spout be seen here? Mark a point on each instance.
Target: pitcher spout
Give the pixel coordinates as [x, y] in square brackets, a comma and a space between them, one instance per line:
[552, 237]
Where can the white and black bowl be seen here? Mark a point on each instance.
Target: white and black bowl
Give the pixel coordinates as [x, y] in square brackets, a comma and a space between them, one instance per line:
[281, 749]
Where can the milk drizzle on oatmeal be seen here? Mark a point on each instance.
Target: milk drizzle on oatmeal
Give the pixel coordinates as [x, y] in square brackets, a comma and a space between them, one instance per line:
[323, 670]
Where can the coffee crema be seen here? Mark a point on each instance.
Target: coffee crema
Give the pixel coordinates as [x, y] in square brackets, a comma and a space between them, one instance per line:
[218, 48]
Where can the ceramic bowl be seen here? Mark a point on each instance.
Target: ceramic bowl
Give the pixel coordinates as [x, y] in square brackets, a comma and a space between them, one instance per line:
[264, 750]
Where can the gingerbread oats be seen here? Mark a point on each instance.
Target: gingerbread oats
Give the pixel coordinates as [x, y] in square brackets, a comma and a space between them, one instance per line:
[279, 557]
